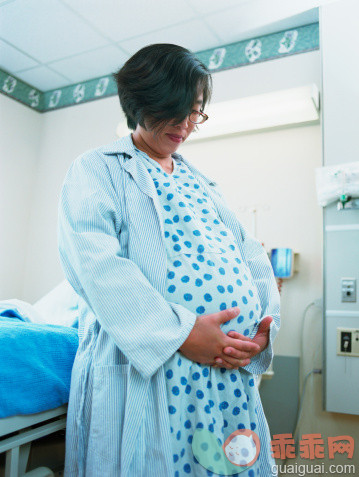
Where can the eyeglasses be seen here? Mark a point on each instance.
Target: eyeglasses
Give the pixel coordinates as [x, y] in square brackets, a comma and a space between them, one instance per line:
[197, 117]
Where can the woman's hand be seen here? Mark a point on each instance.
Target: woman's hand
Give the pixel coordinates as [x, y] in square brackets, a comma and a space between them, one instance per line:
[207, 341]
[261, 339]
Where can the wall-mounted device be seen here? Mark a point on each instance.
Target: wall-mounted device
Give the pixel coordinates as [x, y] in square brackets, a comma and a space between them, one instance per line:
[349, 290]
[348, 341]
[282, 260]
[338, 183]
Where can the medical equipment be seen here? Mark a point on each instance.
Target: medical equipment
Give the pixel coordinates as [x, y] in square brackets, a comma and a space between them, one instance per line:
[338, 183]
[282, 260]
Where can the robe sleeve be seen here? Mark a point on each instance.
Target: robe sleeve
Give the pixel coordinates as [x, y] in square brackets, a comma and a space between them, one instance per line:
[263, 277]
[146, 328]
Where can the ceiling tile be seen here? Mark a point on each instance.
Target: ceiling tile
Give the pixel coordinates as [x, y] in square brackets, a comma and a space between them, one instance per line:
[13, 60]
[124, 20]
[92, 64]
[46, 29]
[194, 35]
[203, 7]
[43, 78]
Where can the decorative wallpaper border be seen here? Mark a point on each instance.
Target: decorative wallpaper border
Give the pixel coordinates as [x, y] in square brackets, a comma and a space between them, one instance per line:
[235, 55]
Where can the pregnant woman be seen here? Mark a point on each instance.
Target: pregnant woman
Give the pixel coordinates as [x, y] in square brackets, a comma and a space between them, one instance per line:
[179, 306]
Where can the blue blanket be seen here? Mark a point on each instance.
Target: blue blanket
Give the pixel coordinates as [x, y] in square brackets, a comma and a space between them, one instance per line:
[35, 364]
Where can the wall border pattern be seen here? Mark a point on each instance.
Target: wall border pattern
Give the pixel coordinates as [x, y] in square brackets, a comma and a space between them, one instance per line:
[235, 55]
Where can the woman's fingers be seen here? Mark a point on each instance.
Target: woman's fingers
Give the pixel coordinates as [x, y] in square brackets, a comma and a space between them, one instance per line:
[226, 315]
[242, 345]
[228, 351]
[234, 353]
[221, 363]
[231, 362]
[235, 334]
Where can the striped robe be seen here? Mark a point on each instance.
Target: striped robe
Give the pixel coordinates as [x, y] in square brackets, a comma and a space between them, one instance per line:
[111, 244]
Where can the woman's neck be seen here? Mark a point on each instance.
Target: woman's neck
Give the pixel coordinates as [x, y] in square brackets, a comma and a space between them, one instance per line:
[164, 161]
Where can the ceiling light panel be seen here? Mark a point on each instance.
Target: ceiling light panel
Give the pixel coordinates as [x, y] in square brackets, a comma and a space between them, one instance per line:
[95, 63]
[46, 30]
[123, 20]
[43, 78]
[186, 35]
[13, 60]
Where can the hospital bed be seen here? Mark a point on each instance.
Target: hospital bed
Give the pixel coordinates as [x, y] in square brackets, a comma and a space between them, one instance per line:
[18, 432]
[29, 414]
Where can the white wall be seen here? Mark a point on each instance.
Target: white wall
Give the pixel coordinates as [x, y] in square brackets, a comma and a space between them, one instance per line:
[66, 133]
[260, 78]
[20, 130]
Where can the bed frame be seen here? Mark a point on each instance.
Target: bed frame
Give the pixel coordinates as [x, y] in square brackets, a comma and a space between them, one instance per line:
[17, 433]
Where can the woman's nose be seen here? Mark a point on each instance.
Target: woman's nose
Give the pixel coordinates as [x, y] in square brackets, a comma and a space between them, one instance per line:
[184, 123]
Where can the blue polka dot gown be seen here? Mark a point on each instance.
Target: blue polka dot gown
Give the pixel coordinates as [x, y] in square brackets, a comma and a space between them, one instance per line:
[206, 273]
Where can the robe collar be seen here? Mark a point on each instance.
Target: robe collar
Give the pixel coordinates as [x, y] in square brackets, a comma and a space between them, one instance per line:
[125, 146]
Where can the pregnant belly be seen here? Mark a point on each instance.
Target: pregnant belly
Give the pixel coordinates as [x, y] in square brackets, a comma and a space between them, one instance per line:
[210, 282]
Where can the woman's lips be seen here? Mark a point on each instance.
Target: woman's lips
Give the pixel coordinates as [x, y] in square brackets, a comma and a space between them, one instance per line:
[175, 138]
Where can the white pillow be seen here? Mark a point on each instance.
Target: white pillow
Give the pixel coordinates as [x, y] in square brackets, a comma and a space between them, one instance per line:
[59, 306]
[22, 308]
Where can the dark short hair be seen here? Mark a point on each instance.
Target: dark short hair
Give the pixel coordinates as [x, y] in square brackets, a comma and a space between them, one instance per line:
[159, 83]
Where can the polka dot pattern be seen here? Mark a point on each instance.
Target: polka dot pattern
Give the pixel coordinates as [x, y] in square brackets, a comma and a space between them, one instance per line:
[206, 274]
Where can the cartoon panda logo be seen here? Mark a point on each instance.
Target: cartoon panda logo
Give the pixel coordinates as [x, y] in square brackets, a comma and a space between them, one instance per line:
[242, 447]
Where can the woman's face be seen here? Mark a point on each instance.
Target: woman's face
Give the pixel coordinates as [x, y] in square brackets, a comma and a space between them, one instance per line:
[167, 141]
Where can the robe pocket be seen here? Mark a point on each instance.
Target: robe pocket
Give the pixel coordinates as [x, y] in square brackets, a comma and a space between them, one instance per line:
[107, 415]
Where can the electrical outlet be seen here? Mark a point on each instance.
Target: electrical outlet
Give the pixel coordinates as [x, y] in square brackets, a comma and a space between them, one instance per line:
[348, 341]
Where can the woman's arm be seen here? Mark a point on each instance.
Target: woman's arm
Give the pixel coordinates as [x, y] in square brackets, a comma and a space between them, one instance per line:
[146, 327]
[263, 277]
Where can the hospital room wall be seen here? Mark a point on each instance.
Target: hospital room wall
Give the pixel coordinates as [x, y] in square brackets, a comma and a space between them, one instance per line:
[20, 136]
